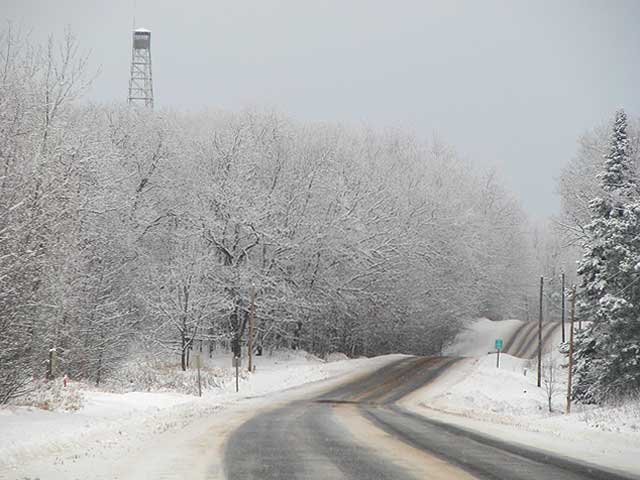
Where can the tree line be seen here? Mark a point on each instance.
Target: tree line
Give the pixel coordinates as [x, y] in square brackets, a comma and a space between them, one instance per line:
[601, 216]
[122, 227]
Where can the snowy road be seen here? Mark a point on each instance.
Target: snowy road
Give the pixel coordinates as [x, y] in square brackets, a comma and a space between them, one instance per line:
[524, 342]
[357, 431]
[301, 418]
[138, 436]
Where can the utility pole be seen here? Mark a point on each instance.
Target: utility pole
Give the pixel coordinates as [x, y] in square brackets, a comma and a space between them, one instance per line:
[540, 335]
[573, 316]
[251, 315]
[563, 340]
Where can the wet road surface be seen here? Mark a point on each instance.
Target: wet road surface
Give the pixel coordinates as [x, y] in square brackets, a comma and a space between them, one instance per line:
[357, 431]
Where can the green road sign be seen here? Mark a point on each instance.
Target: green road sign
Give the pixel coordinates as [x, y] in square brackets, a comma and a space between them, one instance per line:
[498, 344]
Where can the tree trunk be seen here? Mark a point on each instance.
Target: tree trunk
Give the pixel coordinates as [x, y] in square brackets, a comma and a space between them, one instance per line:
[99, 369]
[183, 351]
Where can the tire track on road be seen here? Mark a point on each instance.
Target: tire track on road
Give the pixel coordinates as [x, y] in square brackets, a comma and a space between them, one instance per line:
[515, 337]
[482, 456]
[335, 436]
[530, 349]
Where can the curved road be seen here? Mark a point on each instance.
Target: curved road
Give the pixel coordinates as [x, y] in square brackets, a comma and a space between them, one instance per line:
[357, 431]
[524, 341]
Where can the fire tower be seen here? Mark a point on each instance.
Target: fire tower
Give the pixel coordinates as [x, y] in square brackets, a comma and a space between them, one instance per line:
[140, 83]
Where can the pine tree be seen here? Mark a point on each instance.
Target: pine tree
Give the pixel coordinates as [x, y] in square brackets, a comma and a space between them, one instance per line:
[608, 350]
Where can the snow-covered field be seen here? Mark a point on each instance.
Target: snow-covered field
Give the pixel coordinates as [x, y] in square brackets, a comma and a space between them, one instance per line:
[507, 403]
[36, 443]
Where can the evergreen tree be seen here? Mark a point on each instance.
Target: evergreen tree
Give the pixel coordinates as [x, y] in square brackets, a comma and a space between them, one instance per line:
[608, 350]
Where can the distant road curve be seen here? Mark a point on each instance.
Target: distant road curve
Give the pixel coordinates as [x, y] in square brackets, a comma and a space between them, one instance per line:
[524, 341]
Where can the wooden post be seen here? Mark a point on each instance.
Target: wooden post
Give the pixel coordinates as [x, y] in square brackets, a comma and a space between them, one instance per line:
[237, 359]
[563, 337]
[52, 366]
[251, 314]
[198, 360]
[540, 335]
[573, 316]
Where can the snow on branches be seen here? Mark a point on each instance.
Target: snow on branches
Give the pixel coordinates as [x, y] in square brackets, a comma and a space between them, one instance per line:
[607, 351]
[123, 228]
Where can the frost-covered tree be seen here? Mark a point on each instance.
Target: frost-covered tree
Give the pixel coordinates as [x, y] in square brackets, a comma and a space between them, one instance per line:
[608, 351]
[580, 183]
[123, 229]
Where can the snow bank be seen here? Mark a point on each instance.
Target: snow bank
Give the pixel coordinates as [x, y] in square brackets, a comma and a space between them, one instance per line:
[336, 357]
[52, 395]
[475, 387]
[30, 436]
[506, 403]
[108, 405]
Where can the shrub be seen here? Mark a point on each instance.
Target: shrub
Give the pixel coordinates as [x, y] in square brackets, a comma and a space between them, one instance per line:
[149, 375]
[52, 395]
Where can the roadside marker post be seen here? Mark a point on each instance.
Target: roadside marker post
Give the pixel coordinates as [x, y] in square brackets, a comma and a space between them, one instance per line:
[540, 335]
[252, 313]
[563, 308]
[236, 363]
[237, 352]
[498, 348]
[198, 365]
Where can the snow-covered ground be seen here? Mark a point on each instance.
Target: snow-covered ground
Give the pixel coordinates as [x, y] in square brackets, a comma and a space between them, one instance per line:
[111, 427]
[158, 435]
[507, 403]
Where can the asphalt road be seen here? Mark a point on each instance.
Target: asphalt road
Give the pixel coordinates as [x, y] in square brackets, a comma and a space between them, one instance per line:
[357, 431]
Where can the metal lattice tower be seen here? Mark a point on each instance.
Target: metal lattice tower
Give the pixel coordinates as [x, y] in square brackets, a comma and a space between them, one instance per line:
[140, 83]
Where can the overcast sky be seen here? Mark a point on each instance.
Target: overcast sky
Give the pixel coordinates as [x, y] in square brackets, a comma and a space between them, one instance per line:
[510, 84]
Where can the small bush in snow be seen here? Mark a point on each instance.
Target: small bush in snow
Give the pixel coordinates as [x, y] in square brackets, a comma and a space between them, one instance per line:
[52, 395]
[150, 375]
[336, 357]
[618, 415]
[292, 355]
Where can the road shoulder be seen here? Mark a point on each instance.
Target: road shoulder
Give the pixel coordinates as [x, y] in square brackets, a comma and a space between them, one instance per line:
[471, 397]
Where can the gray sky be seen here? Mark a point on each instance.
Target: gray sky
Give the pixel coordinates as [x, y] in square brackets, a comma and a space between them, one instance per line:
[507, 83]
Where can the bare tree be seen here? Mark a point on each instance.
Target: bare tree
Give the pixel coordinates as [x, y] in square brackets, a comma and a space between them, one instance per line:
[550, 380]
[121, 225]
